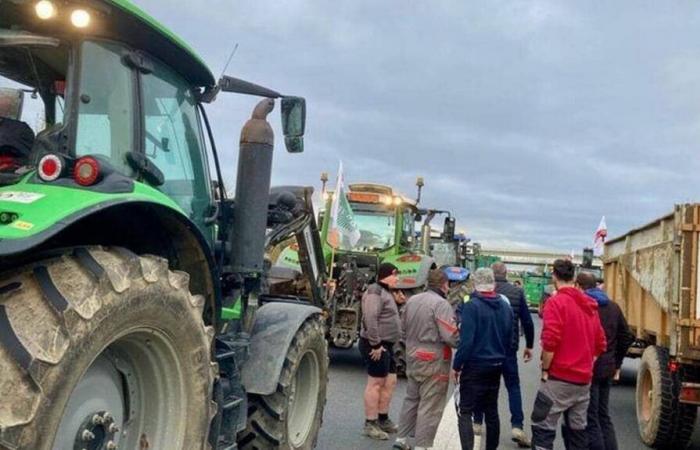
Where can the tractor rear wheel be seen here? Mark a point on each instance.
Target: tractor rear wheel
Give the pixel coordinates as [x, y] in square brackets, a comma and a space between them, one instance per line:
[290, 418]
[103, 349]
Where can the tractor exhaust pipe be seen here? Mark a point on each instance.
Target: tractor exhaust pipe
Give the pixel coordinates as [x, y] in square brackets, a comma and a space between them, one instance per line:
[251, 205]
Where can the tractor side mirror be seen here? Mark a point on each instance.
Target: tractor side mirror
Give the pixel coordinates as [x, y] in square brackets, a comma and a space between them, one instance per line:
[448, 229]
[11, 102]
[418, 218]
[294, 123]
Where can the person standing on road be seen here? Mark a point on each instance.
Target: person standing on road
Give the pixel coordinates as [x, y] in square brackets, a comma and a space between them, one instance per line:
[572, 338]
[381, 330]
[431, 333]
[486, 334]
[600, 430]
[521, 314]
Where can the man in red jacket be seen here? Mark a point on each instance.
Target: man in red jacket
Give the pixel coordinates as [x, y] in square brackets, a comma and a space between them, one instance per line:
[572, 338]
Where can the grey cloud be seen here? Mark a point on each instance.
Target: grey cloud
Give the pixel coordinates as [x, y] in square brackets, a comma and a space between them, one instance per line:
[529, 119]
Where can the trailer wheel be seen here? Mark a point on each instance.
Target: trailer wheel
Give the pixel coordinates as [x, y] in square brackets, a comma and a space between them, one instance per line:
[103, 349]
[663, 421]
[290, 418]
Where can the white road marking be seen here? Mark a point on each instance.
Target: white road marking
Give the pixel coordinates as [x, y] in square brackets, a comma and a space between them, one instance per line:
[447, 437]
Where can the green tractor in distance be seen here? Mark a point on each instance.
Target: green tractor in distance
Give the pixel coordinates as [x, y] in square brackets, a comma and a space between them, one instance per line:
[386, 221]
[133, 313]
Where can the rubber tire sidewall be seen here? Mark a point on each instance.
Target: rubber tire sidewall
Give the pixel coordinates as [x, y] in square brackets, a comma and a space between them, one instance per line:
[150, 305]
[268, 414]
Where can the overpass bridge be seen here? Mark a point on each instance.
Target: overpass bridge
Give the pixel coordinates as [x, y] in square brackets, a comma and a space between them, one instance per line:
[529, 259]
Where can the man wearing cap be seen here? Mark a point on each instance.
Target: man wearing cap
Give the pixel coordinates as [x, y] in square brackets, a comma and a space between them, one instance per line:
[486, 334]
[431, 333]
[511, 378]
[381, 330]
[460, 284]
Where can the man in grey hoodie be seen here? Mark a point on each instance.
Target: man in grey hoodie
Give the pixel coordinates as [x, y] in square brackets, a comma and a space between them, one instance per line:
[381, 330]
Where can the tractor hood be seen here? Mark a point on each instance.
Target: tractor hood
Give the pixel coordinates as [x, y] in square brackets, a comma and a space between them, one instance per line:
[413, 269]
[32, 212]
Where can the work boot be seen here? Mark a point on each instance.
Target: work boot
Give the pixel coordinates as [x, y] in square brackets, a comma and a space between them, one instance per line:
[387, 426]
[520, 438]
[373, 431]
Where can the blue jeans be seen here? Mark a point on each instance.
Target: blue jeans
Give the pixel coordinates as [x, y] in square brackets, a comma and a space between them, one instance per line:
[515, 400]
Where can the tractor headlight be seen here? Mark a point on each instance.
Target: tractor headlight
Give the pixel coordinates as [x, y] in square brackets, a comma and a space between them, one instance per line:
[45, 9]
[80, 18]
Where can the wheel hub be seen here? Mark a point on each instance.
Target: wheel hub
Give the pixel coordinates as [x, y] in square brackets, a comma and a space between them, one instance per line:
[97, 432]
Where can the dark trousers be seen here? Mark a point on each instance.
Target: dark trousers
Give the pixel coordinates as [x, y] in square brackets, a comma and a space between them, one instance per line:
[511, 378]
[600, 429]
[478, 390]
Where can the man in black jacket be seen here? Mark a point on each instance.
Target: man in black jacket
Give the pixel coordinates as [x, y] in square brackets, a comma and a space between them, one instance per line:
[600, 430]
[511, 378]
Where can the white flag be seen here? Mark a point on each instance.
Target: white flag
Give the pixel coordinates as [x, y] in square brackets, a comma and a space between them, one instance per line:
[343, 231]
[599, 238]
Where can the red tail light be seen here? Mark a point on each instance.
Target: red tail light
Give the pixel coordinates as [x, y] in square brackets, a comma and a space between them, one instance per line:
[50, 167]
[86, 171]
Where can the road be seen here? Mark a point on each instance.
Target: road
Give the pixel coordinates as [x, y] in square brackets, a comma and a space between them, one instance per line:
[343, 418]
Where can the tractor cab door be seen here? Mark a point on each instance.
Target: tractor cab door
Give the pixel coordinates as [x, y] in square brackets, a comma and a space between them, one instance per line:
[173, 140]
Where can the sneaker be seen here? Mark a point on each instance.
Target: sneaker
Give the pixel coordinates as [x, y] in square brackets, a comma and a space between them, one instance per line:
[520, 438]
[400, 445]
[388, 426]
[478, 429]
[373, 431]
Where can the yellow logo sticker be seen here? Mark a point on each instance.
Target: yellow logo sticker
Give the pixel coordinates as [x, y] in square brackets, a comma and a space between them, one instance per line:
[22, 225]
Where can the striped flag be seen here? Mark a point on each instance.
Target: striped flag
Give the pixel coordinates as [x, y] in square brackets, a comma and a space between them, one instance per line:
[343, 231]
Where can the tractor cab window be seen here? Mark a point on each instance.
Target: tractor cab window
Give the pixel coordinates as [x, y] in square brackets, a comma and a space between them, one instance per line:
[32, 89]
[106, 105]
[173, 140]
[377, 230]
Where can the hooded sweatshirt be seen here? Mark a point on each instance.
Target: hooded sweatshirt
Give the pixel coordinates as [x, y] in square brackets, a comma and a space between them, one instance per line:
[571, 330]
[485, 331]
[617, 333]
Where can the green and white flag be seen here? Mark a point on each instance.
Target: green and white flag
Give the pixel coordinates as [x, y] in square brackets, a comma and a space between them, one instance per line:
[343, 231]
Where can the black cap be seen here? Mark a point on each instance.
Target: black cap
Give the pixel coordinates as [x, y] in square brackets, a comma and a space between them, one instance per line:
[16, 138]
[385, 270]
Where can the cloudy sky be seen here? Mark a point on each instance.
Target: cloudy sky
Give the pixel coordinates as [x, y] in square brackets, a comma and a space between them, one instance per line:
[529, 119]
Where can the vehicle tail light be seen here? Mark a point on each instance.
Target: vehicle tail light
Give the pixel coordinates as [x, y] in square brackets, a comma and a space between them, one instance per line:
[86, 171]
[50, 167]
[690, 393]
[673, 366]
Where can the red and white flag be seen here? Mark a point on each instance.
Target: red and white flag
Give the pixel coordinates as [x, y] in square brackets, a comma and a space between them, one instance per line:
[599, 237]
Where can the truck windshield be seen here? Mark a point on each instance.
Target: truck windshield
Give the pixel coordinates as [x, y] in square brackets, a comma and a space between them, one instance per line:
[377, 230]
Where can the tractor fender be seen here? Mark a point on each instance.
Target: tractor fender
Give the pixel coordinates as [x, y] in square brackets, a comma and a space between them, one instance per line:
[273, 331]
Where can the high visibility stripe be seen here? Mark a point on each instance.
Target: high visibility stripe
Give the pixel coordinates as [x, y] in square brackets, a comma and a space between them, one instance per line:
[449, 326]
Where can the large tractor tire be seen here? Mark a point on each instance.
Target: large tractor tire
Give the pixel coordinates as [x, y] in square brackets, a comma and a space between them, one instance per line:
[664, 422]
[290, 418]
[103, 349]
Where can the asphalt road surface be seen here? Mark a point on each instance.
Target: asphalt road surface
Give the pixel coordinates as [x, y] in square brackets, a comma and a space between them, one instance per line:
[343, 418]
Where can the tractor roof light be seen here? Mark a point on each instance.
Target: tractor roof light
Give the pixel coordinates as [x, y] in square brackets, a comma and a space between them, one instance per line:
[50, 167]
[45, 9]
[387, 200]
[86, 171]
[397, 201]
[80, 18]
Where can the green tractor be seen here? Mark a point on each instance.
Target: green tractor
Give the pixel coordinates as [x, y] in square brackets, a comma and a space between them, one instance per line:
[386, 221]
[134, 312]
